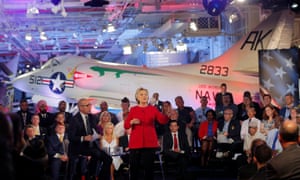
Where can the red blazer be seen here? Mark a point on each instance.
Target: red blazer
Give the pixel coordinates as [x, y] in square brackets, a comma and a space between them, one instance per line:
[203, 129]
[143, 135]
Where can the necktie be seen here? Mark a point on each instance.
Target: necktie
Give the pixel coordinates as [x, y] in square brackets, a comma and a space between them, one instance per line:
[24, 118]
[61, 138]
[87, 125]
[175, 142]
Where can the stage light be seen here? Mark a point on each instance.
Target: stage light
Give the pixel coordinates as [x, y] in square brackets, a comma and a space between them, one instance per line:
[214, 7]
[193, 26]
[294, 5]
[28, 37]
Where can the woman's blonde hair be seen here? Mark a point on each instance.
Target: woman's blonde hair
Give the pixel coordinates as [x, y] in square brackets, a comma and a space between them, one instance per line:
[103, 114]
[138, 91]
[107, 125]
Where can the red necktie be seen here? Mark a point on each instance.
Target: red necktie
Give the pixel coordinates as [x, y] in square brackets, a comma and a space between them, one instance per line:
[175, 142]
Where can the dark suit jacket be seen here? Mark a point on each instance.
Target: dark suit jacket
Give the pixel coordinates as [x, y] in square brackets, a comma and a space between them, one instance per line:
[123, 142]
[168, 143]
[76, 131]
[28, 118]
[219, 96]
[55, 146]
[47, 121]
[285, 165]
[234, 129]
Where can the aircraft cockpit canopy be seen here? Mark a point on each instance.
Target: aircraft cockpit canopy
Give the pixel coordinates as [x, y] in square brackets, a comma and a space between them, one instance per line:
[51, 63]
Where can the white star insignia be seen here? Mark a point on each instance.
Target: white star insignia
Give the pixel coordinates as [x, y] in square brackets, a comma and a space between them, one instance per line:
[267, 56]
[291, 88]
[57, 83]
[289, 63]
[268, 84]
[280, 72]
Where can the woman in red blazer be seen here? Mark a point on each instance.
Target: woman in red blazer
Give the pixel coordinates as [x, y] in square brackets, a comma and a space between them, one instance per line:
[207, 134]
[143, 139]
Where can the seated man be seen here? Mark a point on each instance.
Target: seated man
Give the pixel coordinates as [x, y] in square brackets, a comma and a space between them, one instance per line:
[57, 147]
[123, 142]
[176, 148]
[228, 138]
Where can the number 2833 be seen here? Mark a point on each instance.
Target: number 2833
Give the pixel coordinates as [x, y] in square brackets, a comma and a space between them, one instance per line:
[214, 70]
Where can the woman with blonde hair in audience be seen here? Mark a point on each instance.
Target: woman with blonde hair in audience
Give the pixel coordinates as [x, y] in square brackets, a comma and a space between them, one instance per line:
[270, 115]
[104, 118]
[110, 143]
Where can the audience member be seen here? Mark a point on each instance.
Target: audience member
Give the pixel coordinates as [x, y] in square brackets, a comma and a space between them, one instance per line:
[81, 137]
[110, 144]
[57, 147]
[228, 137]
[219, 95]
[103, 119]
[143, 139]
[207, 134]
[124, 143]
[62, 105]
[187, 117]
[122, 115]
[24, 113]
[248, 168]
[6, 144]
[272, 139]
[35, 160]
[262, 155]
[270, 115]
[247, 103]
[46, 118]
[289, 104]
[201, 111]
[293, 114]
[104, 107]
[155, 101]
[253, 133]
[251, 118]
[267, 100]
[201, 114]
[176, 148]
[58, 119]
[226, 103]
[286, 165]
[38, 130]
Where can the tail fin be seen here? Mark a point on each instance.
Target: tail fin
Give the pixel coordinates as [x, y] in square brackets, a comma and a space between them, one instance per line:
[273, 33]
[10, 68]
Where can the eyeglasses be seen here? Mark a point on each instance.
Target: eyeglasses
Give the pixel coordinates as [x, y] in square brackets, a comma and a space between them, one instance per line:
[85, 105]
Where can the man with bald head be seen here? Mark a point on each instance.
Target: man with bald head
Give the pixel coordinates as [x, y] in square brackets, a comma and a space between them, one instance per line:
[286, 165]
[81, 132]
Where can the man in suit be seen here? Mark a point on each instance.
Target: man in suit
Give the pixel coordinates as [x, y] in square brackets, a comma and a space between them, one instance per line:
[229, 139]
[176, 148]
[289, 104]
[219, 95]
[24, 113]
[62, 109]
[81, 138]
[123, 142]
[46, 118]
[286, 165]
[57, 147]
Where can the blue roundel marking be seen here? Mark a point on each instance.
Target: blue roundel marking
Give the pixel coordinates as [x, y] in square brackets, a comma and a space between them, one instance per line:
[57, 82]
